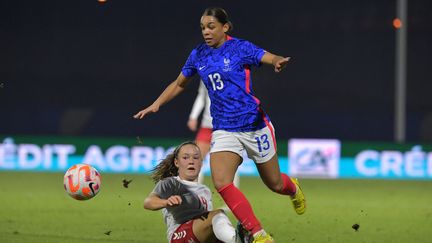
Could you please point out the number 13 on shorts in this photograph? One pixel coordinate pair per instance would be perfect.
(263, 147)
(260, 145)
(262, 142)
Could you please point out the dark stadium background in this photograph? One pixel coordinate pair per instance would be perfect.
(84, 68)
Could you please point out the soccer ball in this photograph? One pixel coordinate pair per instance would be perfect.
(82, 181)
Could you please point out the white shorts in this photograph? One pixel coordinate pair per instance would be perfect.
(260, 145)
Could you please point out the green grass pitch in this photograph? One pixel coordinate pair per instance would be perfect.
(35, 208)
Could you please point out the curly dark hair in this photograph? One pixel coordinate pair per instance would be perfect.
(166, 168)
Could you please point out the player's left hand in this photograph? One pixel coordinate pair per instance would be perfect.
(280, 64)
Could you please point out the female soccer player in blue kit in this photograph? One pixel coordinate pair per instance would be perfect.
(239, 122)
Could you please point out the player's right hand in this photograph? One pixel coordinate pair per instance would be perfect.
(151, 109)
(174, 200)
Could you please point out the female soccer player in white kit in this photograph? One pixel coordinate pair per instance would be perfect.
(186, 204)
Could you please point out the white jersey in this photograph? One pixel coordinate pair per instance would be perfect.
(202, 103)
(196, 200)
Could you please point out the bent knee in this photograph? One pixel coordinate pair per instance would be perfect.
(219, 184)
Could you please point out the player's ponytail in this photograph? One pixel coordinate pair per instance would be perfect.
(166, 168)
(221, 15)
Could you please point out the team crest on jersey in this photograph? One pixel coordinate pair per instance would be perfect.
(227, 67)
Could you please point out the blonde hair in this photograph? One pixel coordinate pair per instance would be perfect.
(166, 168)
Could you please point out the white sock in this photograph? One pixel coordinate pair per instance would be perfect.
(223, 228)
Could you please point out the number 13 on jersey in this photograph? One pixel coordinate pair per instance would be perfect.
(216, 81)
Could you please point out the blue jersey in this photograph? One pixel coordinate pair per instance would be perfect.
(225, 72)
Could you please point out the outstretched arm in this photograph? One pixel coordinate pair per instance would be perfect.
(175, 88)
(154, 202)
(278, 62)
